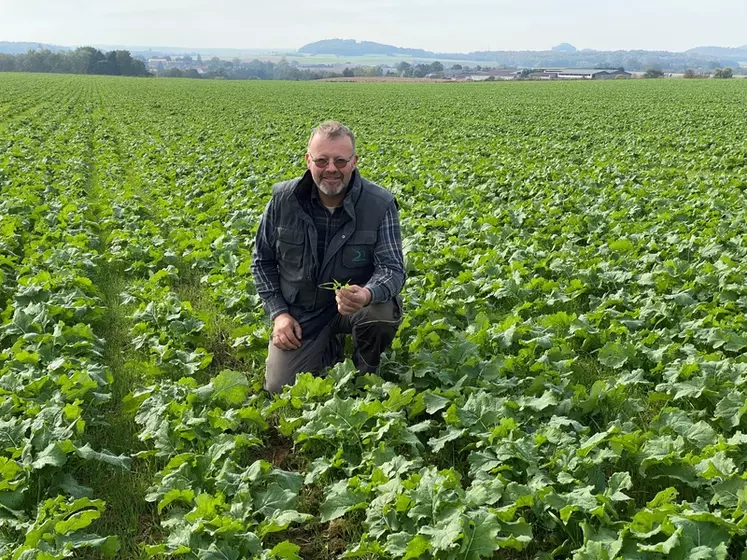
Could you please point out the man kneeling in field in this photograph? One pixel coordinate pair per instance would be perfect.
(328, 227)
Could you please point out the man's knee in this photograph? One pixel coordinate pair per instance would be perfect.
(386, 313)
(279, 371)
(273, 385)
(374, 330)
(282, 366)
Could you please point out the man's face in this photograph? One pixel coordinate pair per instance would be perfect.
(331, 179)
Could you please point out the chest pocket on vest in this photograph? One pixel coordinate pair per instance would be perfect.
(290, 246)
(358, 251)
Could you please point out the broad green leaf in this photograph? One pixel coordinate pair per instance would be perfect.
(416, 547)
(617, 483)
(273, 499)
(443, 536)
(120, 461)
(77, 521)
(479, 539)
(615, 355)
(663, 547)
(286, 551)
(339, 500)
(230, 387)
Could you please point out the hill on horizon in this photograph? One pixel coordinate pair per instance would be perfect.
(739, 53)
(20, 47)
(703, 58)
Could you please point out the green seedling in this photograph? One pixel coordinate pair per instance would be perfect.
(334, 285)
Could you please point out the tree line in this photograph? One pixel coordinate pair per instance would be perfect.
(690, 73)
(237, 69)
(83, 60)
(284, 70)
(89, 60)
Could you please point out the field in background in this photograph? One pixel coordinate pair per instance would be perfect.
(569, 381)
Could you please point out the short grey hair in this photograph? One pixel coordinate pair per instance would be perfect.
(332, 130)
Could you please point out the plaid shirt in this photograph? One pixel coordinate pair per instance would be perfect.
(389, 269)
(327, 223)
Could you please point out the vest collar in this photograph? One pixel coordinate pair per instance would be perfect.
(306, 188)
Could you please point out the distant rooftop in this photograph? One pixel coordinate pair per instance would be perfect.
(580, 70)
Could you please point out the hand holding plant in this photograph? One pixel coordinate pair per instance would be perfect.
(352, 299)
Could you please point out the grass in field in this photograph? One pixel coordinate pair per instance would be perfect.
(127, 513)
(217, 332)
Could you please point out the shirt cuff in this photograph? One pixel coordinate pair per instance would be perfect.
(378, 294)
(276, 306)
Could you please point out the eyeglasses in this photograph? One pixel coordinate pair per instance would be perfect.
(323, 162)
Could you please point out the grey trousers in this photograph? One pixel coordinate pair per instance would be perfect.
(373, 329)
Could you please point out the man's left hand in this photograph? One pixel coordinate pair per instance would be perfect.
(352, 299)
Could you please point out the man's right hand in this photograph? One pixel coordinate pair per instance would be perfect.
(286, 332)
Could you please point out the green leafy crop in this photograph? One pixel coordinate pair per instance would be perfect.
(569, 379)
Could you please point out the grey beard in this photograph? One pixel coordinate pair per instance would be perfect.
(332, 191)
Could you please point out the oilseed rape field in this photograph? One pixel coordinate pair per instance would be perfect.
(569, 380)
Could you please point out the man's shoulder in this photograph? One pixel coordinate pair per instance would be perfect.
(377, 191)
(285, 188)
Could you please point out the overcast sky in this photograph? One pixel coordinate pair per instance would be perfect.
(437, 25)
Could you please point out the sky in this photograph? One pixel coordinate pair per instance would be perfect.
(436, 25)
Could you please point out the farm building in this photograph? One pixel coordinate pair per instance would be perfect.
(480, 76)
(588, 73)
(542, 75)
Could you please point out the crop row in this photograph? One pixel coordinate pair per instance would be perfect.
(53, 379)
